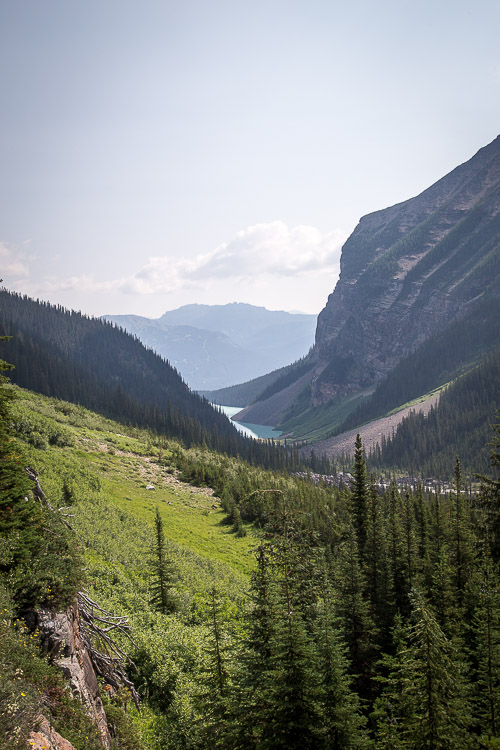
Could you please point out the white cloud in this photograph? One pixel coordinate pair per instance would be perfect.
(264, 249)
(261, 257)
(12, 264)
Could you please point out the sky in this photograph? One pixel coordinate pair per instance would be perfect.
(155, 153)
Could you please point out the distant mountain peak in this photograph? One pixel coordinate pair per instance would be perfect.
(214, 346)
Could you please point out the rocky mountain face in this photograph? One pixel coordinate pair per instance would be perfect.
(407, 272)
(61, 639)
(214, 346)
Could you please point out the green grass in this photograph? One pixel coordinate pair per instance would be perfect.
(119, 463)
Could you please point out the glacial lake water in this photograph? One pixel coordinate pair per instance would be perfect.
(252, 430)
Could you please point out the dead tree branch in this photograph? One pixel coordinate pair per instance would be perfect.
(108, 659)
(96, 623)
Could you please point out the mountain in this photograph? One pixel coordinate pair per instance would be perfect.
(215, 346)
(90, 362)
(407, 273)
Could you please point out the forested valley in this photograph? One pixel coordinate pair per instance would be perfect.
(265, 611)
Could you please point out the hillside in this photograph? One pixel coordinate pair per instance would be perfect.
(408, 273)
(215, 346)
(459, 424)
(65, 354)
(88, 361)
(262, 571)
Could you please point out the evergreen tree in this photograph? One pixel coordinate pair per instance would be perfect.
(163, 572)
(423, 704)
(359, 491)
(344, 724)
(249, 709)
(213, 697)
(462, 545)
(397, 551)
(391, 709)
(489, 499)
(439, 713)
(20, 516)
(376, 562)
(353, 610)
(486, 630)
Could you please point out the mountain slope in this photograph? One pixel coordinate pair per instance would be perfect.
(215, 346)
(88, 361)
(407, 272)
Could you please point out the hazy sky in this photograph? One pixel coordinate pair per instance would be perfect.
(158, 153)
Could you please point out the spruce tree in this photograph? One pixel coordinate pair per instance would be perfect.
(163, 572)
(344, 725)
(461, 532)
(353, 609)
(249, 707)
(214, 689)
(486, 636)
(359, 493)
(439, 714)
(291, 710)
(376, 565)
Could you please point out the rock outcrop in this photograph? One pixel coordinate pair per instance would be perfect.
(46, 738)
(60, 638)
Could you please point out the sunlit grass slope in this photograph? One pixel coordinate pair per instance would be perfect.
(99, 461)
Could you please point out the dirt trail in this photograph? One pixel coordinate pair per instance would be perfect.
(372, 432)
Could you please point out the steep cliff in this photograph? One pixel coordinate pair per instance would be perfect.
(407, 272)
(61, 638)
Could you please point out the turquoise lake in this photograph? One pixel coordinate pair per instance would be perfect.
(252, 430)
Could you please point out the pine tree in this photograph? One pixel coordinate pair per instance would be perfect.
(353, 610)
(163, 572)
(486, 630)
(344, 725)
(359, 492)
(439, 713)
(376, 565)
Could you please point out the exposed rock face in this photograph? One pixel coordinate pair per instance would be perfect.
(408, 271)
(60, 634)
(46, 738)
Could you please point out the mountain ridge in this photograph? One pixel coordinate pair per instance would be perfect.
(407, 272)
(215, 346)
